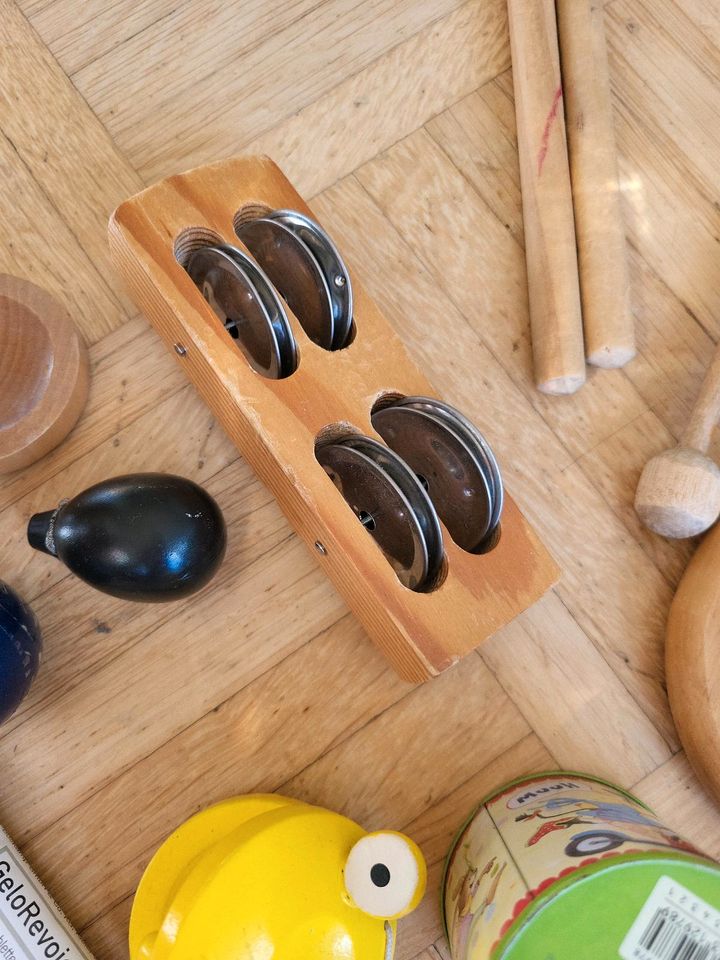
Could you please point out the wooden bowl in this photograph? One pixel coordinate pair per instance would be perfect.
(692, 664)
(44, 373)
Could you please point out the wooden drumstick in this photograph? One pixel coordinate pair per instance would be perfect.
(692, 665)
(679, 490)
(604, 282)
(555, 315)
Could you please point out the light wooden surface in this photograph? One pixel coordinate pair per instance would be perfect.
(395, 120)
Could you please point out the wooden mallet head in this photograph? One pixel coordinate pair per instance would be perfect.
(679, 490)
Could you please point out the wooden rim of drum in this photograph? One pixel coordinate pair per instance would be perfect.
(44, 373)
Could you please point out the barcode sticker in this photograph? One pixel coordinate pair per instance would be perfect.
(674, 924)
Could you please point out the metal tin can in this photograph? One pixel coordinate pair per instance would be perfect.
(564, 866)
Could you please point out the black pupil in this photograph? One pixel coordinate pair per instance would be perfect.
(380, 875)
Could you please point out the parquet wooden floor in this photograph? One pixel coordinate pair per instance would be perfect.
(395, 119)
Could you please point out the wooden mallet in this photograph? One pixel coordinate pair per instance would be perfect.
(679, 490)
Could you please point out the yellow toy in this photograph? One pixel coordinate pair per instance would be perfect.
(263, 877)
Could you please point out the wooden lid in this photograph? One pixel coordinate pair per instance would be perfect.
(44, 374)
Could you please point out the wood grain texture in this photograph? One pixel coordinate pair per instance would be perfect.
(38, 244)
(373, 109)
(608, 323)
(546, 642)
(693, 669)
(60, 141)
(673, 788)
(43, 370)
(258, 64)
(403, 134)
(110, 406)
(550, 244)
(665, 130)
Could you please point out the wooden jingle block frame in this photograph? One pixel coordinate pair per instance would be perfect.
(275, 423)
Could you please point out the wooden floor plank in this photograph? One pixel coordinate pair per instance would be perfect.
(76, 34)
(371, 110)
(670, 213)
(293, 55)
(593, 724)
(83, 630)
(61, 143)
(469, 717)
(442, 948)
(677, 798)
(437, 827)
(37, 244)
(705, 14)
(478, 134)
(670, 70)
(615, 467)
(674, 349)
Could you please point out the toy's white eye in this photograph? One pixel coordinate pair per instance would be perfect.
(385, 875)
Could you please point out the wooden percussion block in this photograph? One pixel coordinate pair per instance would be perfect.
(276, 423)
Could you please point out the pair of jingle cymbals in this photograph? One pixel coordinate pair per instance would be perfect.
(304, 264)
(294, 260)
(437, 466)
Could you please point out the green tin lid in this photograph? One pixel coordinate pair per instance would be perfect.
(642, 908)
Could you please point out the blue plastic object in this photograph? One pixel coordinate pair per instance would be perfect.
(20, 650)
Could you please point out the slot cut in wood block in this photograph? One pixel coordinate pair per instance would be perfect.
(276, 423)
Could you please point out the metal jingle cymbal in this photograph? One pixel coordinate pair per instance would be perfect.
(295, 272)
(457, 482)
(474, 438)
(274, 308)
(415, 493)
(332, 265)
(244, 300)
(390, 503)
